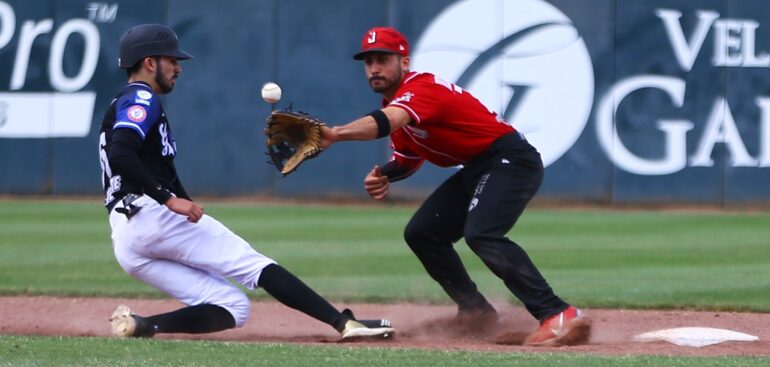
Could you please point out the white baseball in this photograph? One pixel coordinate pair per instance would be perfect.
(271, 92)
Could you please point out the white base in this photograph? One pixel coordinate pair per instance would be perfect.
(694, 336)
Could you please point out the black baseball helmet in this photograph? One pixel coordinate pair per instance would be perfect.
(149, 40)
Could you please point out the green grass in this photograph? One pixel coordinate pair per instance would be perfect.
(599, 258)
(629, 259)
(19, 351)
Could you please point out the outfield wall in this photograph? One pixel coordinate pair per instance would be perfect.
(629, 101)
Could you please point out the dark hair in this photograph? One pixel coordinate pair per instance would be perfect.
(134, 69)
(138, 66)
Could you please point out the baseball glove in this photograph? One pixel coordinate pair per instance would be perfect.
(292, 138)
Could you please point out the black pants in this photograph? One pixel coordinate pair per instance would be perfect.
(482, 202)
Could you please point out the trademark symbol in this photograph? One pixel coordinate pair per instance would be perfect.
(102, 12)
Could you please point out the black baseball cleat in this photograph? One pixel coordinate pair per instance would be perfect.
(126, 324)
(475, 320)
(376, 329)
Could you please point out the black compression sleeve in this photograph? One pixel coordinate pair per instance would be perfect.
(125, 162)
(180, 191)
(395, 172)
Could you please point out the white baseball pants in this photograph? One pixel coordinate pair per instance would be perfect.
(189, 261)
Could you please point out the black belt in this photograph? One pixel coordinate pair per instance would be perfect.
(128, 208)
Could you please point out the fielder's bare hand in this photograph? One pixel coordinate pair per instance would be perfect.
(376, 184)
(185, 207)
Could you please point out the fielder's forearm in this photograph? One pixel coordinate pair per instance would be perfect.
(365, 128)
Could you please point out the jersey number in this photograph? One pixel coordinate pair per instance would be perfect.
(453, 87)
(110, 183)
(457, 89)
(103, 160)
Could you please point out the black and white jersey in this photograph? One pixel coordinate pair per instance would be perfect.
(137, 108)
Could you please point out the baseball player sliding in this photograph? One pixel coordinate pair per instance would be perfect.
(162, 237)
(430, 119)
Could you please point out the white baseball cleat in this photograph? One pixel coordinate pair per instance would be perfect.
(355, 330)
(366, 329)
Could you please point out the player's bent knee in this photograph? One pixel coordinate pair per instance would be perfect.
(414, 235)
(476, 238)
(131, 269)
(421, 238)
(239, 307)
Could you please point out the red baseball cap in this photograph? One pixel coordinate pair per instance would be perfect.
(383, 39)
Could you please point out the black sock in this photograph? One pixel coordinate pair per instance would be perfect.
(292, 292)
(198, 319)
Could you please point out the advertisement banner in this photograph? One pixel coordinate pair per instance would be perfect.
(655, 101)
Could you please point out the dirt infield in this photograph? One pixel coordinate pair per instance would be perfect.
(418, 326)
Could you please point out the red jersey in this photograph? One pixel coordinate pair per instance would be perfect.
(449, 126)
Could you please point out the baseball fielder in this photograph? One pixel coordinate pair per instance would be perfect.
(162, 237)
(429, 119)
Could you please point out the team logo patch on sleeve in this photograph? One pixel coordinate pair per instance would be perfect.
(136, 113)
(406, 97)
(143, 94)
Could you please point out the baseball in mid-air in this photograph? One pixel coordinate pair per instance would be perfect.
(271, 92)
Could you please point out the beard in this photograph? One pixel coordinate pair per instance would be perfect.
(384, 86)
(384, 83)
(165, 85)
